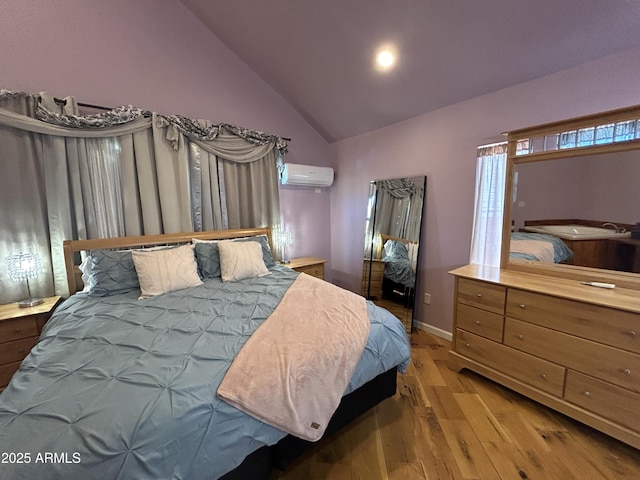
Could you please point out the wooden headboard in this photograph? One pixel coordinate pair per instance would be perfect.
(70, 247)
(383, 240)
(398, 239)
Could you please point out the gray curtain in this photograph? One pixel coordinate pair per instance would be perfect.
(124, 172)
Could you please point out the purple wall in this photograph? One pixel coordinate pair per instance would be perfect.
(442, 145)
(157, 55)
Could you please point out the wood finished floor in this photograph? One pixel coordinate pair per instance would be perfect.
(444, 425)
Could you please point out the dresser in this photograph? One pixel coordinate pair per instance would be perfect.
(19, 332)
(572, 347)
(310, 265)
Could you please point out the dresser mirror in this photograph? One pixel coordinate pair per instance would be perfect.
(392, 244)
(575, 180)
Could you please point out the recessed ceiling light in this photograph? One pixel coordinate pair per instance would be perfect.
(385, 59)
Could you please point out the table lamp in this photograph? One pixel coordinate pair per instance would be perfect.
(23, 266)
(284, 238)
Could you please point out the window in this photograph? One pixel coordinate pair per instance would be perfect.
(486, 239)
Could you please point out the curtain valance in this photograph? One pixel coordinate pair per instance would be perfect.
(233, 143)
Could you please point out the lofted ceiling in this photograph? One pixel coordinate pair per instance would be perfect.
(319, 54)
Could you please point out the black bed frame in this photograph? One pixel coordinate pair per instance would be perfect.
(258, 465)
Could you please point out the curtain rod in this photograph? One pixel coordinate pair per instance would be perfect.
(62, 101)
(89, 105)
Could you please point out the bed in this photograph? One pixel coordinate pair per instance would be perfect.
(539, 247)
(399, 277)
(123, 387)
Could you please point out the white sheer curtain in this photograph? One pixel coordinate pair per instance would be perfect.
(486, 239)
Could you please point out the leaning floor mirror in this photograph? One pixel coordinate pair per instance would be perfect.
(392, 244)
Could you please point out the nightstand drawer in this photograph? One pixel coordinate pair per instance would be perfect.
(313, 270)
(16, 351)
(18, 328)
(310, 265)
(6, 372)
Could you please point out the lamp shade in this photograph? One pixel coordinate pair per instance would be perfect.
(284, 237)
(23, 266)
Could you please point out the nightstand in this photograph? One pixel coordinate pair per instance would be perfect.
(19, 332)
(310, 265)
(372, 275)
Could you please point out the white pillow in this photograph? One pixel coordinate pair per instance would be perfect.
(240, 260)
(163, 271)
(85, 268)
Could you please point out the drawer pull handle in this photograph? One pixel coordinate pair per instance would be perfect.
(479, 295)
(631, 333)
(522, 305)
(477, 322)
(543, 376)
(18, 330)
(467, 345)
(587, 394)
(627, 371)
(520, 336)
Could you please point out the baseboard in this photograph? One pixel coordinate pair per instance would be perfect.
(438, 332)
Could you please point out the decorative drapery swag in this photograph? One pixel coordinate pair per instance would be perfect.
(126, 171)
(398, 187)
(398, 211)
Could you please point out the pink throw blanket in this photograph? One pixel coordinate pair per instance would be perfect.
(540, 249)
(294, 369)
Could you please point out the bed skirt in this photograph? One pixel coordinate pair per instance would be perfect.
(259, 464)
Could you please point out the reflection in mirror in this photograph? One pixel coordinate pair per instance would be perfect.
(578, 211)
(392, 244)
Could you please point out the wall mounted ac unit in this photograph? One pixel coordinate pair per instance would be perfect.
(294, 174)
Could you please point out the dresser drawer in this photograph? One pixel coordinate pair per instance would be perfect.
(604, 399)
(480, 322)
(486, 296)
(600, 361)
(18, 328)
(605, 325)
(6, 372)
(529, 369)
(16, 351)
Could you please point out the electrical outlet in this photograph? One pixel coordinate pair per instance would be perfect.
(427, 298)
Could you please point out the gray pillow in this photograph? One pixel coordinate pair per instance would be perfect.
(208, 259)
(112, 272)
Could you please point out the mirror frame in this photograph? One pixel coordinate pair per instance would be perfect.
(572, 272)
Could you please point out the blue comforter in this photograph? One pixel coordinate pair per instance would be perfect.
(125, 388)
